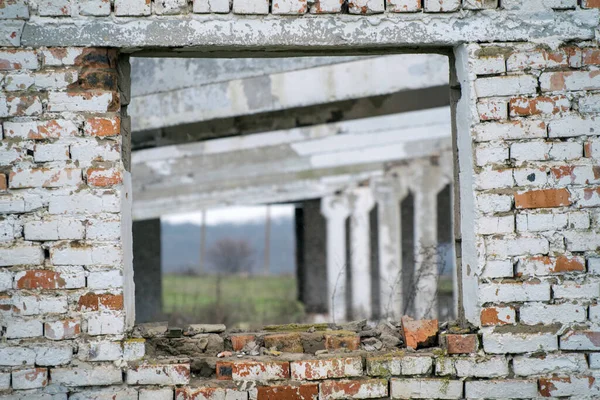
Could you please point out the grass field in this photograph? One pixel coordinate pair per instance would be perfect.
(254, 299)
(245, 301)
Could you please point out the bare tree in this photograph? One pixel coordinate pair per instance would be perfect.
(231, 256)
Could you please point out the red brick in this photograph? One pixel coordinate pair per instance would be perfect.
(545, 198)
(286, 342)
(260, 371)
(95, 302)
(462, 344)
(591, 56)
(239, 341)
(224, 370)
(567, 264)
(98, 126)
(566, 386)
(590, 3)
(40, 279)
(302, 392)
(523, 106)
(492, 316)
(3, 182)
(335, 341)
(103, 177)
(419, 333)
(355, 389)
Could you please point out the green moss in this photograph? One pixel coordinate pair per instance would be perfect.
(493, 51)
(295, 327)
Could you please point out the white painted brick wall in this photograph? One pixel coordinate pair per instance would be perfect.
(85, 375)
(21, 254)
(109, 279)
(132, 7)
(18, 329)
(85, 203)
(506, 85)
(541, 222)
(55, 229)
(441, 5)
(211, 6)
(547, 314)
(530, 177)
(86, 255)
(542, 151)
(501, 389)
(482, 368)
(416, 365)
(13, 356)
(494, 179)
(51, 152)
(512, 130)
(489, 65)
(549, 363)
(105, 323)
(54, 354)
(511, 292)
(492, 203)
(30, 378)
(504, 248)
(498, 269)
(103, 229)
(425, 388)
(574, 290)
(250, 7)
(491, 154)
(100, 350)
(573, 126)
(515, 343)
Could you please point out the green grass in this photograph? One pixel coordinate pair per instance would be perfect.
(244, 300)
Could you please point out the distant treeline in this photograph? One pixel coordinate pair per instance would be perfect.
(181, 245)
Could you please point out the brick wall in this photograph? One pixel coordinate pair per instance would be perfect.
(528, 150)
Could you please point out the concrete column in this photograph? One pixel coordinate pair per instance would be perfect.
(336, 211)
(146, 269)
(426, 255)
(390, 262)
(362, 201)
(311, 242)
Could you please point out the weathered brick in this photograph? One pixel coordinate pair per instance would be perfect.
(96, 8)
(133, 8)
(547, 314)
(543, 265)
(239, 341)
(353, 389)
(494, 179)
(76, 254)
(441, 5)
(31, 378)
(536, 59)
(18, 329)
(211, 6)
(492, 110)
(44, 177)
(260, 371)
(335, 341)
(89, 101)
(461, 344)
(580, 340)
(419, 333)
(326, 368)
(104, 177)
(100, 350)
(63, 329)
(559, 386)
(21, 254)
(514, 291)
(18, 59)
(54, 229)
(545, 198)
(99, 126)
(51, 129)
(95, 302)
(14, 356)
(170, 374)
(492, 203)
(87, 375)
(105, 323)
(492, 316)
(511, 130)
(506, 85)
(491, 154)
(569, 80)
(495, 225)
(501, 389)
(403, 5)
(286, 342)
(251, 7)
(134, 349)
(574, 290)
(209, 393)
(549, 363)
(39, 279)
(525, 106)
(301, 392)
(489, 65)
(503, 248)
(424, 388)
(515, 343)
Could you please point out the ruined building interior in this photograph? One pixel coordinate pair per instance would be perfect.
(357, 160)
(407, 135)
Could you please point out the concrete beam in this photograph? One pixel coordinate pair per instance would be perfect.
(228, 35)
(289, 165)
(338, 111)
(279, 91)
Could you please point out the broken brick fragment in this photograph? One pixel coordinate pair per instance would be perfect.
(419, 333)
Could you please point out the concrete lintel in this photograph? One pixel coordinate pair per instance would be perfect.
(333, 33)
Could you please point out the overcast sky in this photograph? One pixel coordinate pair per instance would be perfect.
(231, 214)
